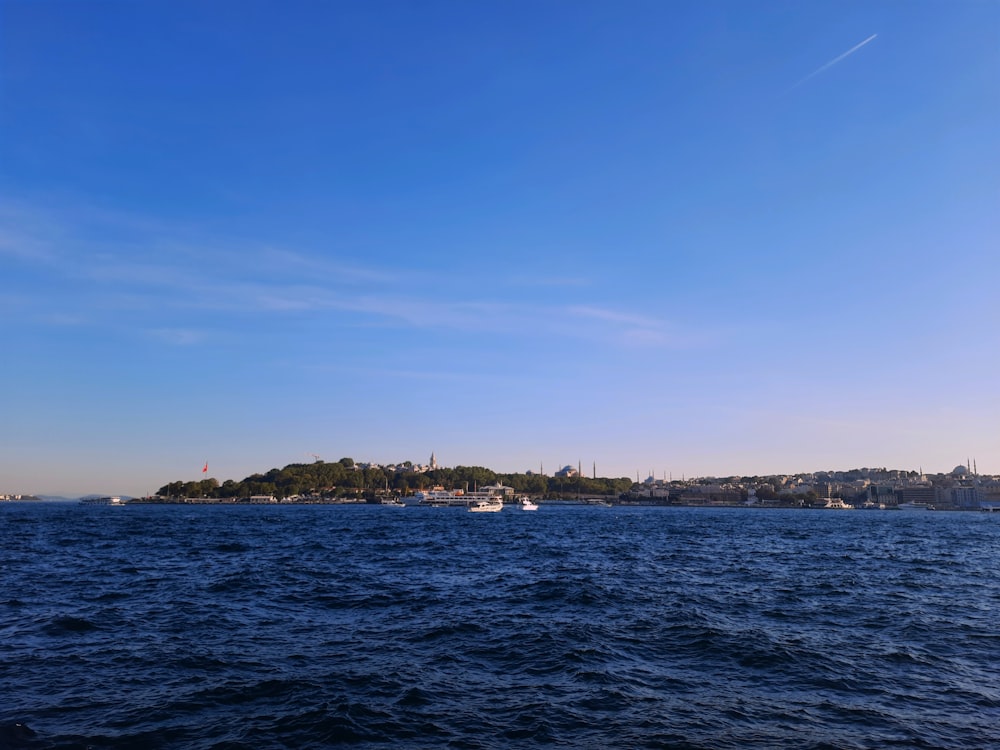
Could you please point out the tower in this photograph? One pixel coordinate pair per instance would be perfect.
(434, 462)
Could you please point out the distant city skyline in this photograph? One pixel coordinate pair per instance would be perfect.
(706, 239)
(968, 469)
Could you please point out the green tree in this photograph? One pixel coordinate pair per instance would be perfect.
(208, 488)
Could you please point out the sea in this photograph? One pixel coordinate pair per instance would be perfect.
(316, 626)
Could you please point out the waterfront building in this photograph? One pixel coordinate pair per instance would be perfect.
(918, 495)
(967, 496)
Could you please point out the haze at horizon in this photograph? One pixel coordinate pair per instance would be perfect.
(717, 239)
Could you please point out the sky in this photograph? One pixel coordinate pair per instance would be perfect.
(687, 239)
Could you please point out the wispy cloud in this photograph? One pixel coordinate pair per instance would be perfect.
(288, 261)
(63, 319)
(23, 235)
(626, 328)
(614, 316)
(161, 276)
(551, 281)
(178, 336)
(423, 374)
(834, 61)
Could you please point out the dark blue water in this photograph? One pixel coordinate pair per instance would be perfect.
(313, 626)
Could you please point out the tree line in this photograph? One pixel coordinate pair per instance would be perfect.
(344, 478)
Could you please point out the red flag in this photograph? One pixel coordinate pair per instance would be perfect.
(205, 470)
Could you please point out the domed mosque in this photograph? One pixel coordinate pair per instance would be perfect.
(961, 471)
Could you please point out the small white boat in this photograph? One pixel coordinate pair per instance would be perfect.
(526, 504)
(393, 502)
(835, 503)
(486, 506)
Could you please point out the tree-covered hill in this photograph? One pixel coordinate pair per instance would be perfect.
(344, 478)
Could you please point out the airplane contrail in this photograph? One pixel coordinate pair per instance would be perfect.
(834, 61)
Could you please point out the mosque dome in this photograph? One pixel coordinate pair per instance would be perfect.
(959, 471)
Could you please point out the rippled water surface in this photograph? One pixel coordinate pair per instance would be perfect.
(312, 626)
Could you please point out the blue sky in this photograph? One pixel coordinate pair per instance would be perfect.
(687, 238)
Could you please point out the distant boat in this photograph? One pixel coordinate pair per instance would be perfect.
(915, 506)
(439, 498)
(526, 504)
(487, 506)
(836, 503)
(103, 501)
(393, 502)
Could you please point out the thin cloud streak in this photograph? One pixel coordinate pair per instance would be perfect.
(168, 274)
(613, 316)
(114, 246)
(549, 281)
(292, 262)
(833, 62)
(179, 336)
(625, 328)
(473, 376)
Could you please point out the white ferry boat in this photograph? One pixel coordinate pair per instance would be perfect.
(441, 498)
(103, 501)
(835, 503)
